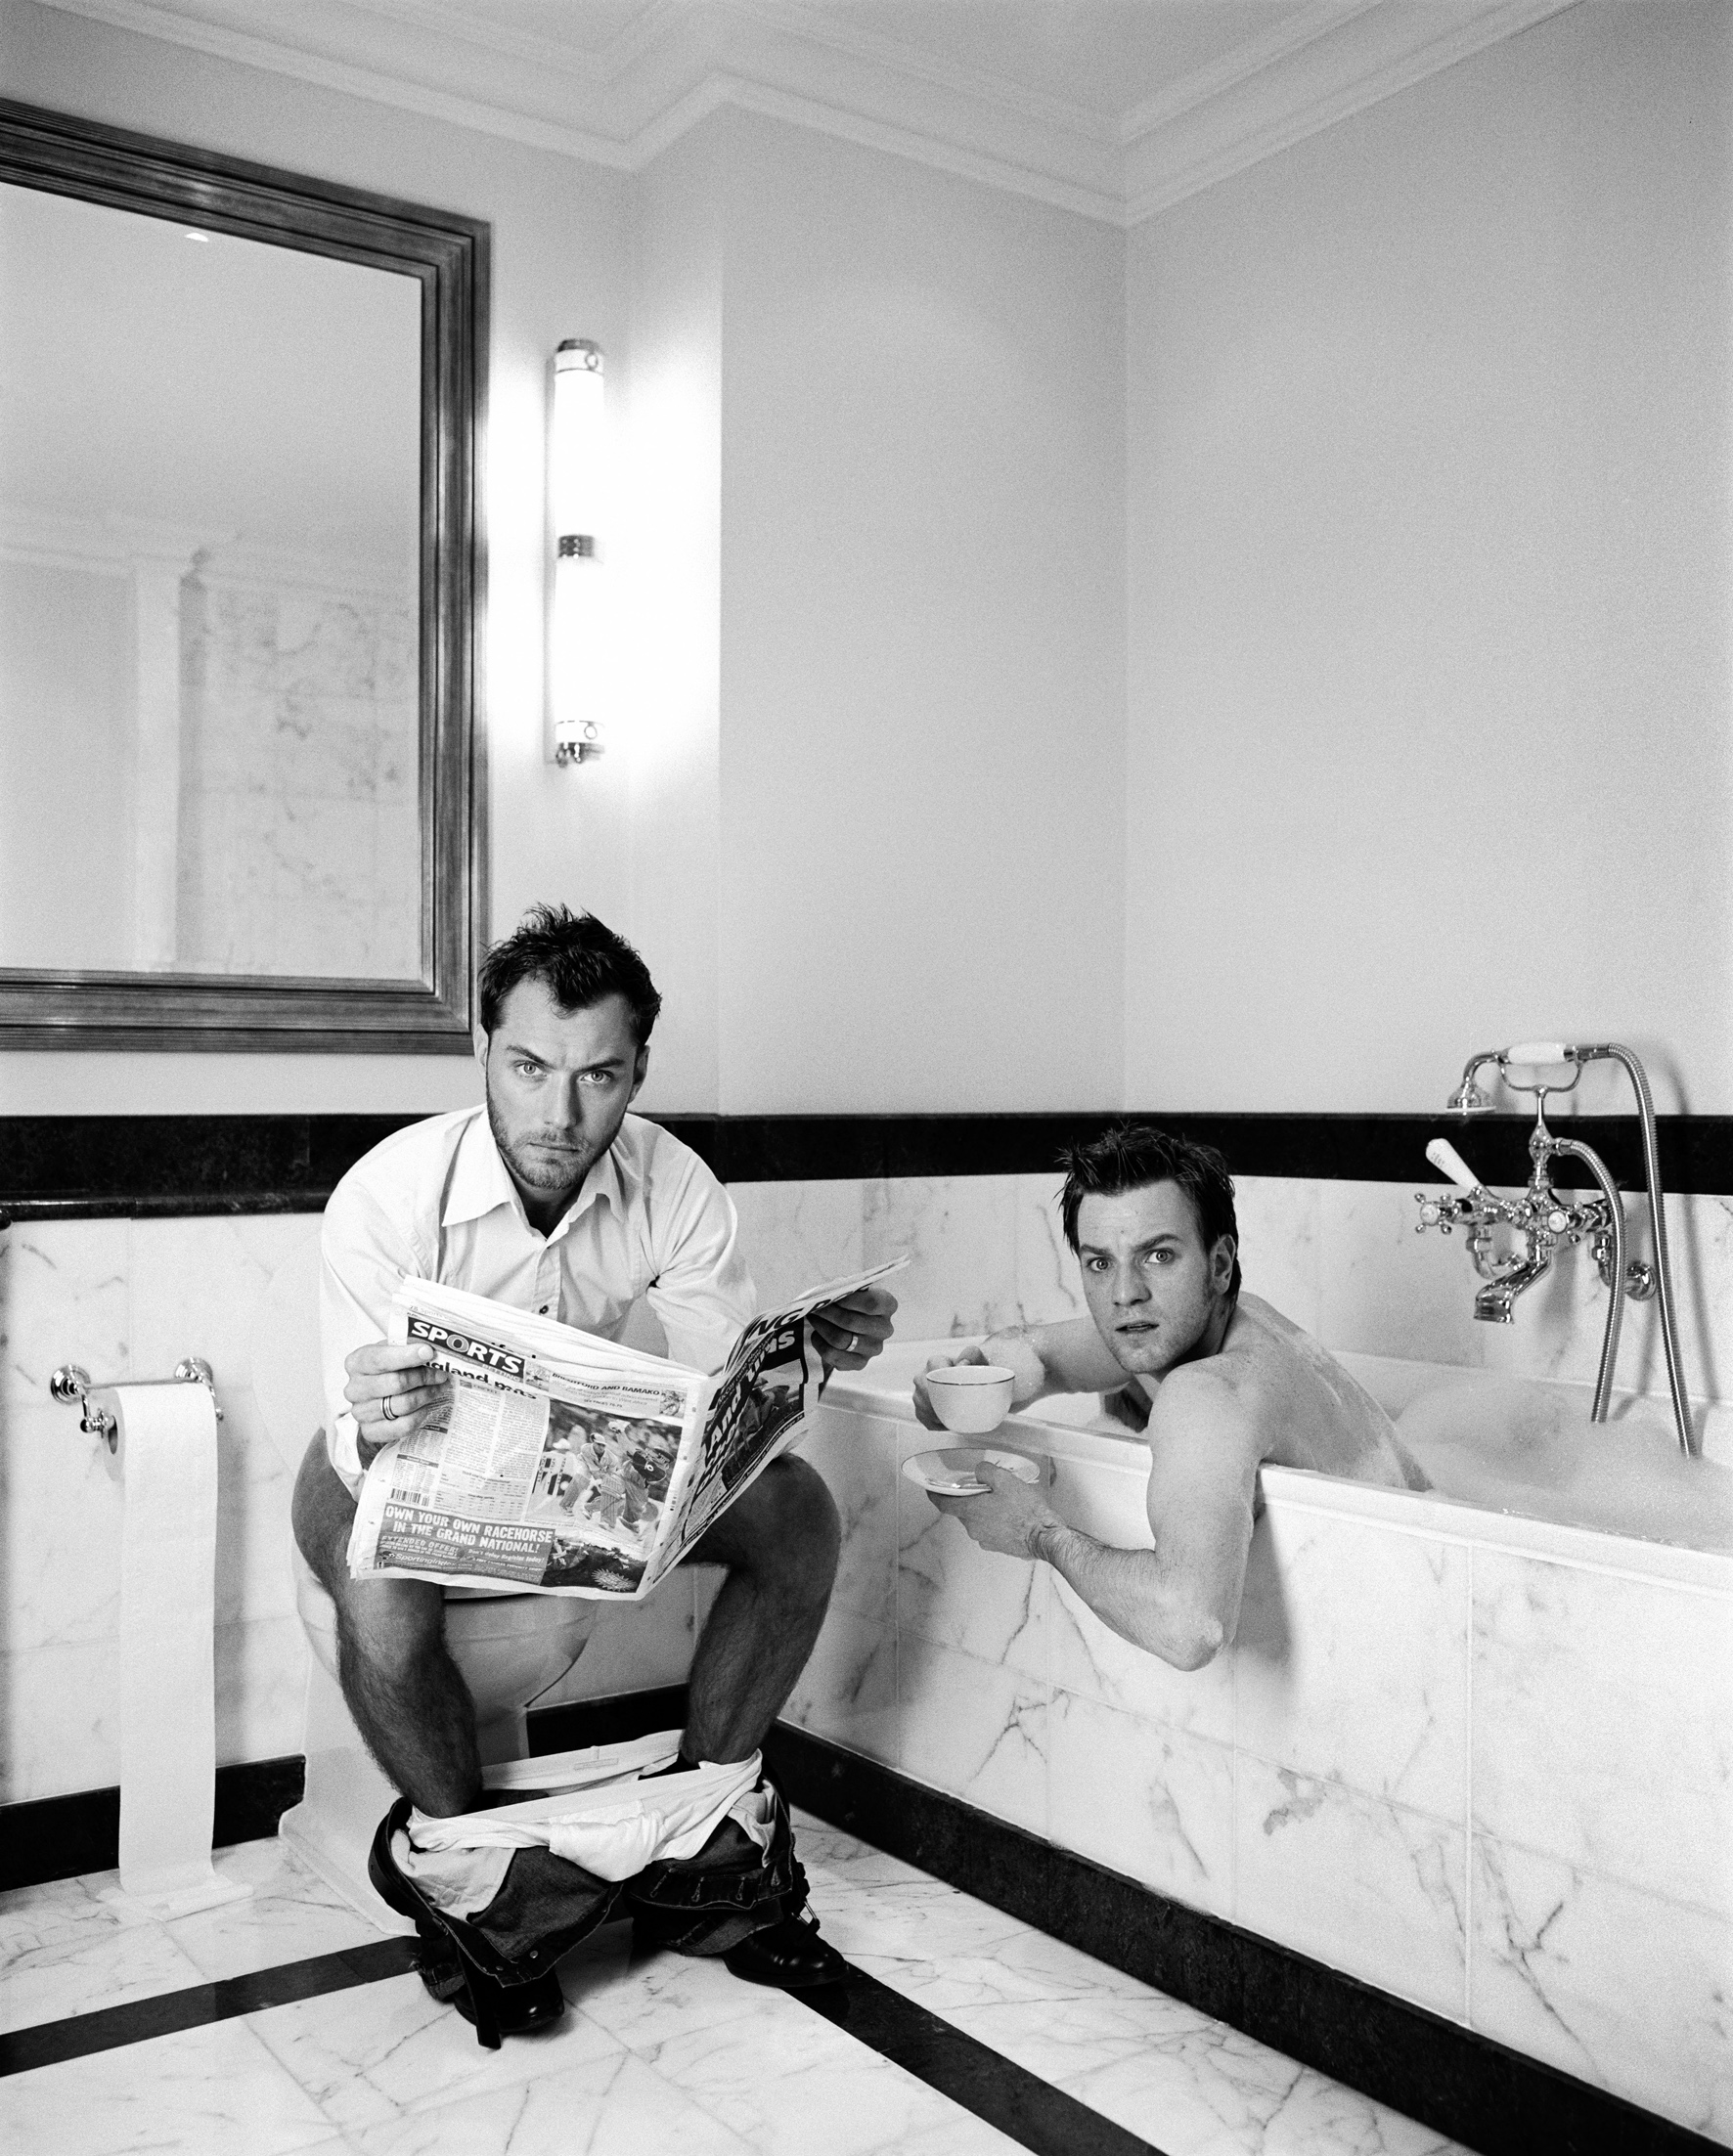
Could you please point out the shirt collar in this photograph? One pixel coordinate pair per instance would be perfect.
(480, 1181)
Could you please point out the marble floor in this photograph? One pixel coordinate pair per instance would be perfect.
(658, 2053)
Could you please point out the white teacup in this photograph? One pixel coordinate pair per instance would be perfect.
(971, 1397)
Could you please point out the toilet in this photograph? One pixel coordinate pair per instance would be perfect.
(509, 1648)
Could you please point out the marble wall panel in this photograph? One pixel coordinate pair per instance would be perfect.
(1352, 1657)
(1386, 1291)
(262, 1691)
(795, 1235)
(975, 1728)
(64, 1298)
(847, 1692)
(1603, 1723)
(1049, 1287)
(1371, 1888)
(51, 1472)
(961, 1235)
(1280, 1243)
(60, 1720)
(1622, 1988)
(1151, 1802)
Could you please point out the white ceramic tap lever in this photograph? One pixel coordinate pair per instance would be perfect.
(1538, 1051)
(1445, 1157)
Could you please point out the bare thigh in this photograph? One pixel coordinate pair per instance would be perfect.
(784, 1528)
(383, 1617)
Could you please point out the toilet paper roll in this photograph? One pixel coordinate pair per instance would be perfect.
(168, 1461)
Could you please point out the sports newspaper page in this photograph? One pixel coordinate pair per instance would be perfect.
(567, 1464)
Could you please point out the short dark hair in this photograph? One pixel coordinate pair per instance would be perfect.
(577, 958)
(1133, 1155)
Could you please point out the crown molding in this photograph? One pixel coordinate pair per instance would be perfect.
(624, 104)
(1369, 52)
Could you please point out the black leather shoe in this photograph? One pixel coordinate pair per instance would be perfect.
(789, 1954)
(460, 1965)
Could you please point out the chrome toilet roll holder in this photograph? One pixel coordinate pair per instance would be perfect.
(70, 1386)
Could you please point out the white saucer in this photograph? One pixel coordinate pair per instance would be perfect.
(948, 1473)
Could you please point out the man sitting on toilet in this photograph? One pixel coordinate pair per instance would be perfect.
(555, 1200)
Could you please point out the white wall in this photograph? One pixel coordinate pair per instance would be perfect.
(1429, 570)
(923, 625)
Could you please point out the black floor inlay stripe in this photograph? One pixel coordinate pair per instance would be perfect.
(199, 2005)
(996, 2088)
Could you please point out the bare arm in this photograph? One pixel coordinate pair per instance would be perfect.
(1070, 1356)
(1181, 1600)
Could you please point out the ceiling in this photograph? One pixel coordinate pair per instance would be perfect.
(1116, 108)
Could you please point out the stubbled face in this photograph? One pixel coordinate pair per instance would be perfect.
(1151, 1285)
(559, 1085)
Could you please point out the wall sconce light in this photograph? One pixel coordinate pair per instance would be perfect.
(574, 478)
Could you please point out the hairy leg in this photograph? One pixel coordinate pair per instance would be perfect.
(780, 1543)
(408, 1697)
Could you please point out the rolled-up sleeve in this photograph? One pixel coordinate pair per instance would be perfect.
(702, 1291)
(363, 1257)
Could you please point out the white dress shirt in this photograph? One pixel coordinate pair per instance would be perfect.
(435, 1200)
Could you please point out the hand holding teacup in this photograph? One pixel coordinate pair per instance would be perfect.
(968, 1394)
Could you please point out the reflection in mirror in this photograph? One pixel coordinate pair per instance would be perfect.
(209, 571)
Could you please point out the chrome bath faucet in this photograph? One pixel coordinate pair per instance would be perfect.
(1544, 1219)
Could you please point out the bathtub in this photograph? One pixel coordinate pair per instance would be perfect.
(1479, 1758)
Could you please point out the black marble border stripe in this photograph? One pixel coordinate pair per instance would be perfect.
(197, 2005)
(144, 1167)
(63, 1837)
(971, 2074)
(1479, 2092)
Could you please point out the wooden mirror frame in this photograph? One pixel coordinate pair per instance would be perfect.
(449, 255)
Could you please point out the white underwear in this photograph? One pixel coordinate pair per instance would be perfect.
(600, 1813)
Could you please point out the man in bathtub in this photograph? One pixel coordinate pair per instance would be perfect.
(551, 1198)
(1217, 1382)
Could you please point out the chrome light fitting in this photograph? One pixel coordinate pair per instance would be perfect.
(574, 473)
(1544, 1219)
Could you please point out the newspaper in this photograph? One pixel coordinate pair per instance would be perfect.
(567, 1464)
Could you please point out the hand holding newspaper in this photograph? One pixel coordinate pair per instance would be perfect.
(567, 1464)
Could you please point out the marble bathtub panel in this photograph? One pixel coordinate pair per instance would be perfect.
(1049, 1287)
(957, 1595)
(961, 1235)
(1280, 1243)
(1603, 1723)
(1386, 1291)
(857, 1456)
(60, 1492)
(976, 1728)
(795, 1235)
(64, 1298)
(848, 1690)
(1371, 1888)
(636, 1646)
(1352, 1658)
(59, 1721)
(1144, 1800)
(1622, 1989)
(1087, 1659)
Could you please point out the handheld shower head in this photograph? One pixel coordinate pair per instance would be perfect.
(1468, 1099)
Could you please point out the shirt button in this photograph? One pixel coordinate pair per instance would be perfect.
(546, 1308)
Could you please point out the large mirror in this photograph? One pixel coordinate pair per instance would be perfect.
(238, 543)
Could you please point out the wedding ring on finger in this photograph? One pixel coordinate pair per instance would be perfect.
(387, 1409)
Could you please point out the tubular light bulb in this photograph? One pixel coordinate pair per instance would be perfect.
(574, 478)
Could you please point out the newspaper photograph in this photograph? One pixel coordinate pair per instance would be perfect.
(565, 1464)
